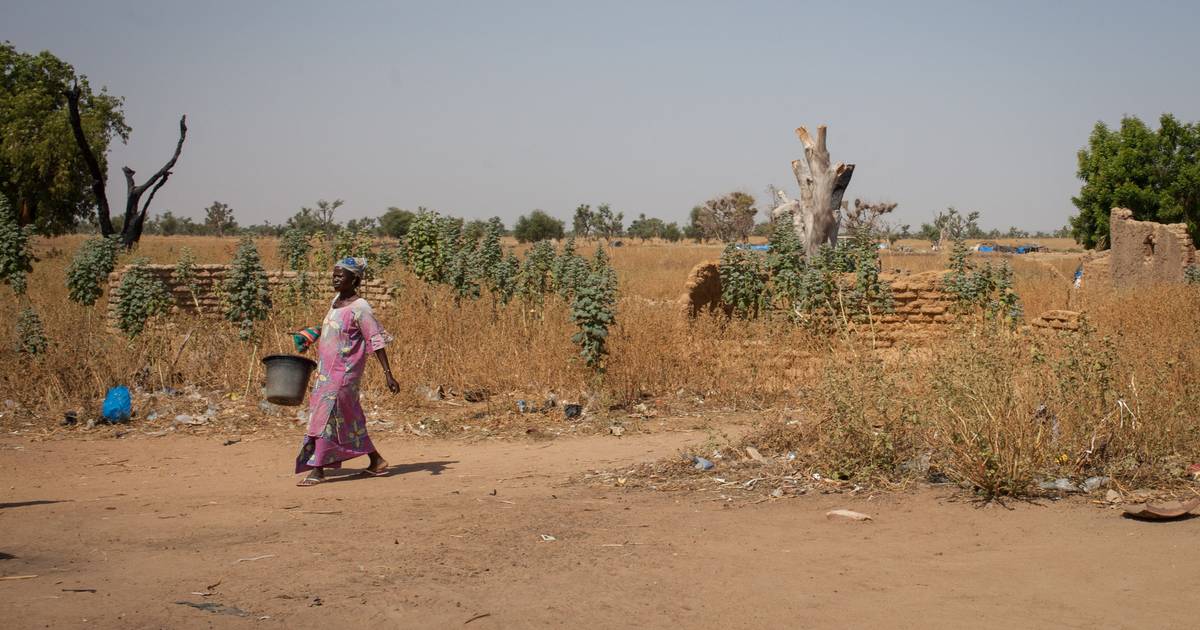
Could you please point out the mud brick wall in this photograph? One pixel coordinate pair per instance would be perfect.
(210, 281)
(1057, 320)
(921, 308)
(1142, 253)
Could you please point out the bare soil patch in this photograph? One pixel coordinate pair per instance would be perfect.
(494, 534)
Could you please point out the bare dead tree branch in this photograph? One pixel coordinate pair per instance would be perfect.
(93, 165)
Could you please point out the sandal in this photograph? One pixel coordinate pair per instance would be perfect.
(367, 472)
(310, 481)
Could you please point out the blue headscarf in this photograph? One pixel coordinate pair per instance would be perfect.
(356, 266)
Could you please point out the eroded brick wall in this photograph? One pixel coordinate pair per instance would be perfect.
(210, 280)
(1141, 253)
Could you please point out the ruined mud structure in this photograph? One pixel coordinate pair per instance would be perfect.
(207, 300)
(921, 306)
(1141, 253)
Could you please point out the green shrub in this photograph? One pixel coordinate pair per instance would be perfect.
(31, 336)
(185, 275)
(593, 311)
(247, 294)
(90, 267)
(142, 296)
(743, 281)
(16, 257)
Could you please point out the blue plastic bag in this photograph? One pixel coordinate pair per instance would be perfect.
(117, 405)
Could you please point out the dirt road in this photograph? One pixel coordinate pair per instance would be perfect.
(149, 523)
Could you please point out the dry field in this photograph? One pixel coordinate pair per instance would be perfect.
(502, 520)
(967, 400)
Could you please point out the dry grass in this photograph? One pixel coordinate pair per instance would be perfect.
(965, 404)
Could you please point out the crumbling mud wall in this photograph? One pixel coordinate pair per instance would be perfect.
(702, 291)
(208, 299)
(1141, 253)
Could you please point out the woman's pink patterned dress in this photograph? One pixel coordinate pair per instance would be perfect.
(337, 427)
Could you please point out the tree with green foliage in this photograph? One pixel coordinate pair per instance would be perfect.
(16, 256)
(538, 226)
(219, 219)
(1154, 173)
(247, 293)
(89, 269)
(43, 176)
(395, 222)
(607, 224)
(727, 218)
(743, 281)
(694, 230)
(581, 225)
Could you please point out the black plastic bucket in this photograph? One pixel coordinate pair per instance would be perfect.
(287, 378)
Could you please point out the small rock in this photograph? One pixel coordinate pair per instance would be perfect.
(755, 455)
(1112, 496)
(847, 514)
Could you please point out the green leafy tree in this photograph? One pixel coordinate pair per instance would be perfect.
(538, 226)
(536, 276)
(581, 225)
(491, 253)
(672, 233)
(1155, 174)
(421, 246)
(219, 219)
(89, 269)
(694, 230)
(247, 293)
(647, 228)
(395, 222)
(142, 296)
(16, 256)
(42, 173)
(167, 224)
(727, 218)
(606, 224)
(569, 270)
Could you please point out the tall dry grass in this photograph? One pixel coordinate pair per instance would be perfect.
(967, 403)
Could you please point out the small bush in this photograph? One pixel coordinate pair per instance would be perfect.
(142, 297)
(16, 257)
(185, 275)
(90, 267)
(248, 296)
(31, 336)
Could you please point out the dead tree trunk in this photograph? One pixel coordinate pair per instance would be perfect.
(821, 189)
(135, 218)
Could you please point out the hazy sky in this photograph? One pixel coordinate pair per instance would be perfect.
(496, 108)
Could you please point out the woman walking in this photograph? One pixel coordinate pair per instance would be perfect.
(337, 428)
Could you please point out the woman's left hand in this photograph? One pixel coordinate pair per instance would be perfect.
(393, 386)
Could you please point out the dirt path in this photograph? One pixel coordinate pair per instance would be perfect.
(149, 523)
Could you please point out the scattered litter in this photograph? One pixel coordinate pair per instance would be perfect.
(431, 393)
(791, 456)
(1161, 511)
(255, 558)
(1094, 483)
(232, 442)
(479, 616)
(848, 514)
(701, 463)
(1112, 496)
(522, 406)
(70, 419)
(117, 405)
(777, 493)
(548, 538)
(1061, 484)
(213, 607)
(755, 455)
(616, 430)
(184, 418)
(1193, 471)
(316, 602)
(152, 416)
(572, 411)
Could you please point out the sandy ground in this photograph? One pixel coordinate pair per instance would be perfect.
(151, 523)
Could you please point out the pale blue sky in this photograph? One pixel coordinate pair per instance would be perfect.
(496, 108)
